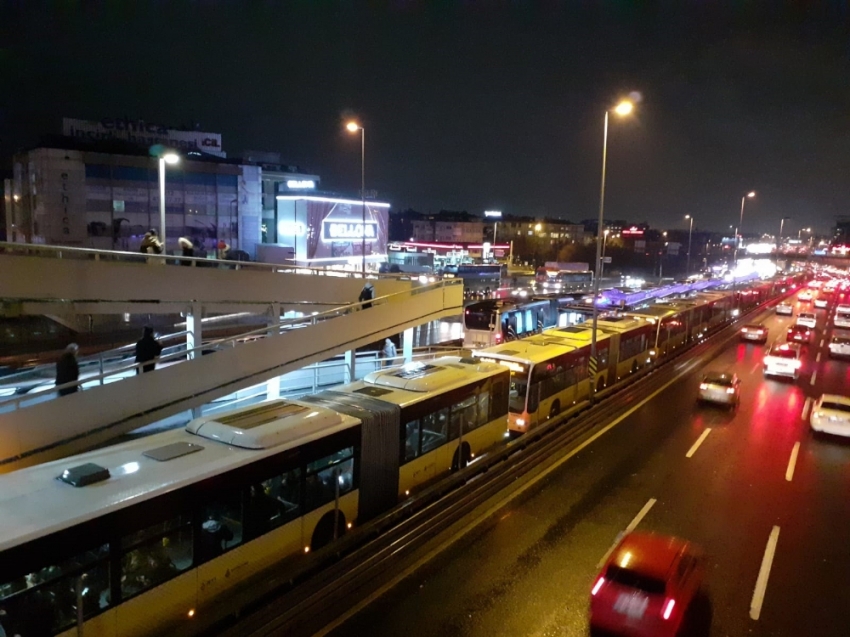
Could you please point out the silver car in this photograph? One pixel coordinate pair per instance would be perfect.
(839, 347)
(785, 309)
(722, 388)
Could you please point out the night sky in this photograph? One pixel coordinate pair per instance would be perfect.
(472, 105)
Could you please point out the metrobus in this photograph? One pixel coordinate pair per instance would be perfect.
(146, 536)
(496, 321)
(563, 280)
(479, 279)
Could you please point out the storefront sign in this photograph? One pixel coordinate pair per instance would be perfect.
(300, 184)
(347, 230)
(143, 133)
(291, 229)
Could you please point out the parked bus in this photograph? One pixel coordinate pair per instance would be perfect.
(480, 280)
(550, 280)
(149, 534)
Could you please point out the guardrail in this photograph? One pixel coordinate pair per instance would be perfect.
(14, 403)
(123, 256)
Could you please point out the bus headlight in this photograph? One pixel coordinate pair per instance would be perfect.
(520, 422)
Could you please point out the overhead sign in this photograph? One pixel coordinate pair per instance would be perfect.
(493, 213)
(301, 184)
(142, 133)
(347, 230)
(633, 231)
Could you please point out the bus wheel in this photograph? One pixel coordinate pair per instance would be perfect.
(555, 409)
(462, 457)
(323, 534)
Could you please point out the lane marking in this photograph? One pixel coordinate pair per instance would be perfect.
(631, 527)
(764, 573)
(817, 358)
(792, 462)
(757, 365)
(686, 368)
(821, 342)
(806, 407)
(814, 377)
(699, 441)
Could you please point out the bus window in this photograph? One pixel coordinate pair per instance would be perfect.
(411, 441)
(44, 602)
(329, 476)
(272, 503)
(221, 524)
(483, 408)
(498, 405)
(155, 554)
(463, 415)
(435, 430)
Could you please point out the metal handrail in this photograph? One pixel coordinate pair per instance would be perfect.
(52, 251)
(233, 341)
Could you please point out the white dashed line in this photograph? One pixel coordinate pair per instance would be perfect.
(806, 407)
(814, 377)
(764, 573)
(631, 527)
(699, 441)
(792, 462)
(817, 358)
(821, 342)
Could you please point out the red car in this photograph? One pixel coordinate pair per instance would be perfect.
(798, 334)
(646, 587)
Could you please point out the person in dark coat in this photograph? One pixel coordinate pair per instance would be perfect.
(366, 294)
(67, 370)
(147, 349)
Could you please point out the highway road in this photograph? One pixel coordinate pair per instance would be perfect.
(735, 482)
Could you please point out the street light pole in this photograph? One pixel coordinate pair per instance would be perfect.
(740, 228)
(623, 108)
(353, 127)
(690, 233)
(604, 244)
(164, 158)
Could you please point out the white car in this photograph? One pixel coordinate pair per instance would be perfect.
(785, 309)
(808, 319)
(842, 319)
(821, 302)
(783, 360)
(840, 346)
(831, 415)
(842, 308)
(721, 388)
(805, 295)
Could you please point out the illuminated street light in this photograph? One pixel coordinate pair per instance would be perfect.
(740, 229)
(625, 107)
(353, 127)
(690, 233)
(538, 227)
(165, 157)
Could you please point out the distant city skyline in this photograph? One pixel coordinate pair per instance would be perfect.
(473, 108)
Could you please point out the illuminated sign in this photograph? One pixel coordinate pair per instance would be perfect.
(511, 365)
(346, 230)
(291, 228)
(493, 213)
(301, 184)
(633, 231)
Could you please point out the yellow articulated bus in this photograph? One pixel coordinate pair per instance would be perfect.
(452, 410)
(146, 536)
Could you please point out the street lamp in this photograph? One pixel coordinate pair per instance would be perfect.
(781, 226)
(625, 107)
(740, 229)
(690, 233)
(353, 127)
(166, 157)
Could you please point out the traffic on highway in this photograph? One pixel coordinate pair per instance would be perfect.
(711, 517)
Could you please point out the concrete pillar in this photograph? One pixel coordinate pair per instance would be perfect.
(194, 335)
(350, 366)
(273, 385)
(407, 345)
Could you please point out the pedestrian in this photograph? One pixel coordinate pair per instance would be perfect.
(223, 249)
(147, 349)
(67, 370)
(366, 294)
(389, 352)
(188, 249)
(151, 245)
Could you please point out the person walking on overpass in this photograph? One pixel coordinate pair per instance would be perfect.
(366, 294)
(67, 370)
(389, 352)
(147, 349)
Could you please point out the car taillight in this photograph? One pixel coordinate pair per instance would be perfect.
(669, 605)
(744, 330)
(498, 338)
(761, 331)
(730, 390)
(598, 585)
(798, 363)
(703, 385)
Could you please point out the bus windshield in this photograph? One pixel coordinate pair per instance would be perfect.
(478, 316)
(519, 388)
